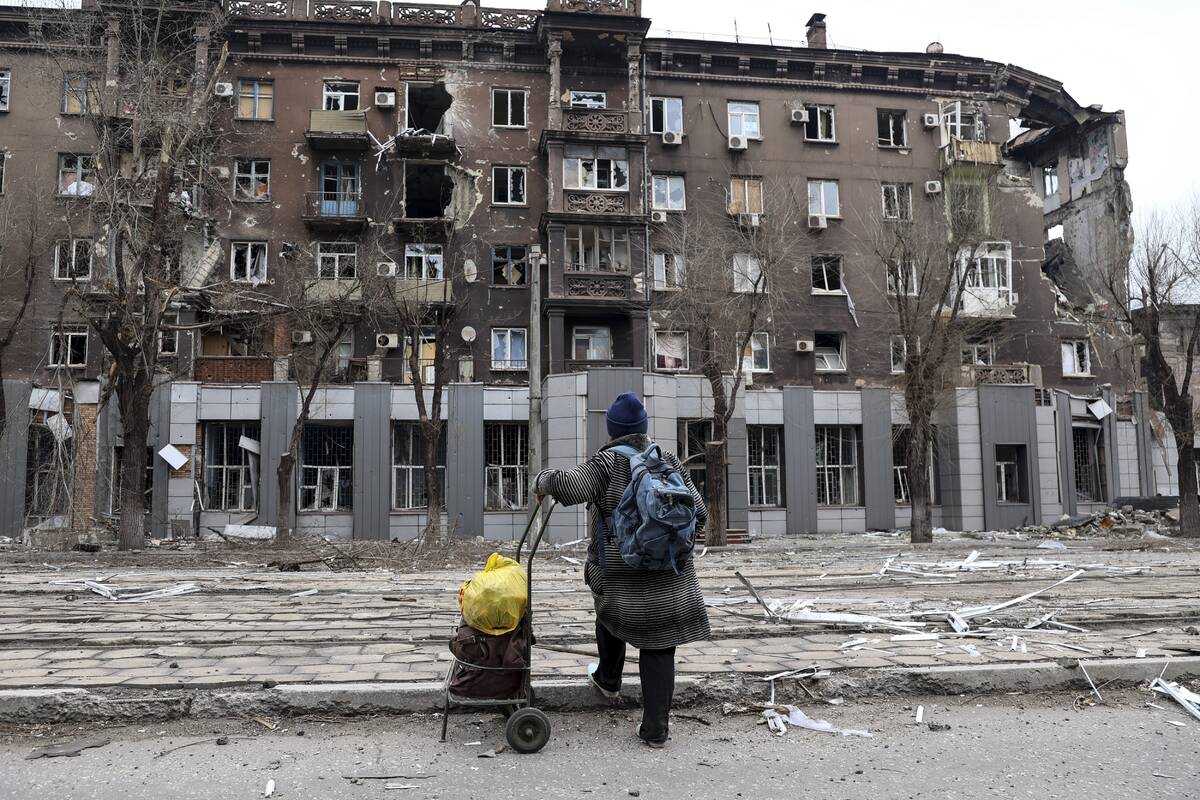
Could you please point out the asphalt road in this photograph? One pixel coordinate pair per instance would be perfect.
(1013, 747)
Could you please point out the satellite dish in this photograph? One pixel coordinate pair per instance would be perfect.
(468, 334)
(469, 271)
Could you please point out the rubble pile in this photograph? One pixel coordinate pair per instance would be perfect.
(1126, 522)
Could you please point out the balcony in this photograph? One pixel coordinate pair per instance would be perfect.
(334, 211)
(596, 285)
(968, 157)
(415, 290)
(992, 374)
(330, 291)
(594, 120)
(624, 8)
(582, 365)
(337, 130)
(582, 202)
(233, 369)
(395, 13)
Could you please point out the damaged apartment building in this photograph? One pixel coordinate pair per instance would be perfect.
(515, 169)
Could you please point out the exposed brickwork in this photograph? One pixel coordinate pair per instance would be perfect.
(186, 470)
(234, 369)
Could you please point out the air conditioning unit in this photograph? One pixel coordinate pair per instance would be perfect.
(737, 143)
(385, 99)
(818, 222)
(799, 116)
(387, 341)
(930, 121)
(223, 89)
(672, 138)
(933, 187)
(804, 345)
(658, 216)
(750, 220)
(386, 269)
(302, 337)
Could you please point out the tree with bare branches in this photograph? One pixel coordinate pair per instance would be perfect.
(19, 271)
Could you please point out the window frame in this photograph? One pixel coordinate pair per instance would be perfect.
(818, 356)
(664, 101)
(902, 199)
(247, 471)
(335, 96)
(496, 91)
(903, 352)
(85, 168)
(832, 478)
(510, 364)
(742, 115)
(252, 175)
(763, 338)
(664, 272)
(1020, 465)
(998, 258)
(432, 262)
(592, 334)
(61, 340)
(817, 112)
(514, 466)
(686, 354)
(257, 99)
(74, 245)
(509, 171)
(509, 263)
(891, 114)
(1077, 347)
(1050, 180)
(764, 469)
(87, 97)
(821, 184)
(582, 102)
(618, 240)
(5, 89)
(975, 346)
(670, 178)
(824, 259)
(340, 504)
(337, 258)
(249, 245)
(894, 270)
(741, 199)
(749, 280)
(578, 177)
(414, 472)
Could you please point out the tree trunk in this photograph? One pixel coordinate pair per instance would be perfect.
(3, 400)
(714, 490)
(1189, 508)
(133, 394)
(283, 505)
(431, 432)
(917, 461)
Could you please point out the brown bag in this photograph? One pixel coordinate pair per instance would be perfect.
(503, 655)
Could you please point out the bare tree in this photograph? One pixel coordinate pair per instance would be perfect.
(1154, 291)
(19, 272)
(731, 260)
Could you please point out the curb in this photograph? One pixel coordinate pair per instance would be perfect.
(25, 706)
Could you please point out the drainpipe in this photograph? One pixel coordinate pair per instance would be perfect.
(648, 265)
(533, 355)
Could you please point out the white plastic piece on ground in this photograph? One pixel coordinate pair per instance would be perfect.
(269, 789)
(172, 456)
(1185, 697)
(255, 532)
(305, 593)
(1051, 544)
(778, 722)
(1141, 652)
(920, 714)
(968, 613)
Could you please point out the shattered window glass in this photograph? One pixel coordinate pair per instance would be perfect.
(76, 175)
(508, 108)
(666, 115)
(509, 349)
(337, 260)
(671, 350)
(826, 273)
(73, 259)
(829, 351)
(230, 468)
(326, 477)
(893, 131)
(340, 95)
(408, 471)
(897, 202)
(248, 262)
(5, 88)
(69, 346)
(506, 446)
(757, 355)
(510, 265)
(821, 125)
(669, 193)
(596, 168)
(508, 186)
(252, 180)
(585, 99)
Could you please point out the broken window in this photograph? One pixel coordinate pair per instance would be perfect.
(837, 450)
(252, 179)
(592, 344)
(49, 464)
(756, 357)
(231, 466)
(168, 337)
(1050, 180)
(508, 186)
(1011, 478)
(73, 259)
(408, 467)
(748, 274)
(893, 128)
(427, 191)
(337, 260)
(341, 194)
(326, 473)
(248, 262)
(339, 95)
(508, 108)
(829, 351)
(1076, 357)
(823, 198)
(671, 350)
(69, 346)
(899, 354)
(666, 115)
(765, 465)
(897, 202)
(744, 120)
(977, 352)
(117, 481)
(232, 340)
(256, 99)
(669, 193)
(988, 277)
(507, 465)
(597, 248)
(745, 196)
(901, 486)
(510, 265)
(426, 339)
(821, 125)
(76, 175)
(959, 123)
(670, 272)
(427, 107)
(902, 278)
(596, 168)
(81, 95)
(509, 349)
(585, 99)
(1087, 449)
(693, 435)
(5, 88)
(423, 262)
(827, 274)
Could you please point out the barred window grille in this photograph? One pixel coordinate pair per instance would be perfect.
(1088, 452)
(837, 465)
(765, 468)
(408, 469)
(326, 473)
(507, 457)
(230, 470)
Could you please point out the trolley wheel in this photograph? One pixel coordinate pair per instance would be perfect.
(527, 730)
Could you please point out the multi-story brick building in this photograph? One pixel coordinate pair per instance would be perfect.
(544, 151)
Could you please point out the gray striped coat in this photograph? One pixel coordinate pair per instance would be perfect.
(649, 609)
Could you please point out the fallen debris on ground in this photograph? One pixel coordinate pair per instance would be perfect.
(69, 749)
(793, 716)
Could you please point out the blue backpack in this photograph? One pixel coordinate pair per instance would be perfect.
(654, 524)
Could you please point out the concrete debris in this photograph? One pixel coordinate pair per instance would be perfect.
(793, 716)
(1185, 697)
(73, 748)
(124, 595)
(1125, 521)
(305, 593)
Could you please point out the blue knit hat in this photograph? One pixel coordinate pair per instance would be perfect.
(626, 415)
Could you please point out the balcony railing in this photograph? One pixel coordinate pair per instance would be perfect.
(386, 13)
(604, 285)
(597, 202)
(333, 209)
(583, 365)
(978, 375)
(417, 290)
(971, 155)
(337, 129)
(594, 120)
(626, 8)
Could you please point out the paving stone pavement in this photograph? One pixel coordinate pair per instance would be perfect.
(245, 628)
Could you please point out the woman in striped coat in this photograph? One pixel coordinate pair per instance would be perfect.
(653, 610)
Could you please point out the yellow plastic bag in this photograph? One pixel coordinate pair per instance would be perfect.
(495, 598)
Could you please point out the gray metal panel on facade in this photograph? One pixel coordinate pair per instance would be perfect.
(1008, 415)
(799, 470)
(949, 475)
(465, 459)
(737, 490)
(159, 437)
(603, 386)
(877, 459)
(278, 411)
(108, 436)
(1112, 461)
(372, 460)
(13, 450)
(1141, 415)
(1066, 464)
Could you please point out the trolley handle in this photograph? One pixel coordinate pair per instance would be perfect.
(537, 540)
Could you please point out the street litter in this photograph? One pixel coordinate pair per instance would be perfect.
(574, 561)
(1176, 723)
(778, 722)
(1051, 544)
(920, 714)
(73, 748)
(269, 789)
(127, 595)
(400, 786)
(1185, 697)
(305, 593)
(1141, 652)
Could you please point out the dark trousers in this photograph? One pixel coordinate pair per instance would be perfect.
(657, 670)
